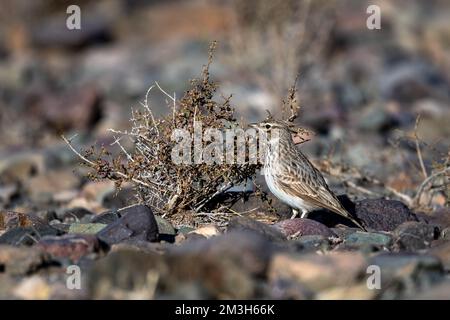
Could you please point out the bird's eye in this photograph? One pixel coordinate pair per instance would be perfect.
(267, 126)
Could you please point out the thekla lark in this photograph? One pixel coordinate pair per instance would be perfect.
(291, 177)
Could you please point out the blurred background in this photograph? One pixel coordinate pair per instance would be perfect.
(360, 90)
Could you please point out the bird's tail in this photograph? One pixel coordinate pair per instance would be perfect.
(347, 215)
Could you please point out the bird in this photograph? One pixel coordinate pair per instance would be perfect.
(291, 177)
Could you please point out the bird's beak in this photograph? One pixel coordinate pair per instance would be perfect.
(253, 125)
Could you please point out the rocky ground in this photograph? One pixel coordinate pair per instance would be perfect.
(361, 96)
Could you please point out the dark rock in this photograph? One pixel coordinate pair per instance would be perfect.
(70, 246)
(303, 227)
(21, 261)
(27, 236)
(413, 236)
(383, 215)
(247, 224)
(368, 239)
(136, 222)
(106, 217)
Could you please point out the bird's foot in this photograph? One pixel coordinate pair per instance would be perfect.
(294, 213)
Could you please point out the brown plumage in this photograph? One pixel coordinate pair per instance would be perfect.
(292, 177)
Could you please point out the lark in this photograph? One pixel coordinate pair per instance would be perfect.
(291, 177)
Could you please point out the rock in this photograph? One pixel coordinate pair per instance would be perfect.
(166, 230)
(442, 251)
(119, 199)
(226, 265)
(249, 250)
(383, 215)
(439, 217)
(311, 243)
(7, 192)
(86, 228)
(282, 289)
(368, 239)
(33, 288)
(136, 222)
(80, 202)
(69, 215)
(21, 261)
(353, 292)
(106, 217)
(19, 167)
(318, 272)
(303, 227)
(185, 229)
(11, 219)
(126, 274)
(440, 291)
(97, 190)
(445, 234)
(70, 246)
(61, 227)
(79, 108)
(405, 274)
(8, 284)
(246, 224)
(412, 236)
(96, 29)
(27, 236)
(206, 231)
(376, 119)
(42, 187)
(410, 81)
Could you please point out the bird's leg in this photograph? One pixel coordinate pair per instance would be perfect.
(294, 213)
(304, 214)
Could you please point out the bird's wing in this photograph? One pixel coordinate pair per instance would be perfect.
(309, 185)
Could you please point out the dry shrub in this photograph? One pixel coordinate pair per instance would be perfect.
(166, 186)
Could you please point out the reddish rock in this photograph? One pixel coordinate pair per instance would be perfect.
(303, 227)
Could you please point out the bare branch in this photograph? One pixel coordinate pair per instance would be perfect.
(428, 180)
(419, 152)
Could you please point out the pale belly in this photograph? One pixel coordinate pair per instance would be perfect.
(294, 202)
